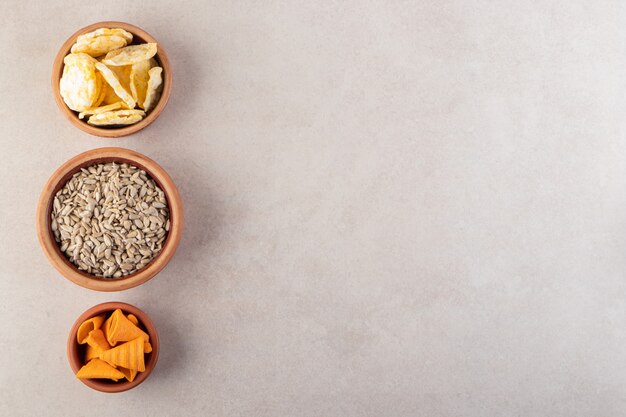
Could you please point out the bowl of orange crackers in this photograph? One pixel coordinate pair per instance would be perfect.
(113, 347)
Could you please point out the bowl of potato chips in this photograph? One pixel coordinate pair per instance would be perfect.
(113, 347)
(111, 79)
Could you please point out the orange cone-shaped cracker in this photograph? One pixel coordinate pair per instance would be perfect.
(99, 369)
(97, 340)
(106, 326)
(119, 329)
(128, 355)
(91, 353)
(87, 326)
(130, 374)
(147, 347)
(133, 319)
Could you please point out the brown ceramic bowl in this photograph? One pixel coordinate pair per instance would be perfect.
(139, 36)
(76, 352)
(58, 180)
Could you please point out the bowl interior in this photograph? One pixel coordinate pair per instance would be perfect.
(95, 161)
(139, 36)
(76, 352)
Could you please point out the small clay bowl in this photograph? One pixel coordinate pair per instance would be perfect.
(84, 160)
(139, 36)
(76, 352)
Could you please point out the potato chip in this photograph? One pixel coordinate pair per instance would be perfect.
(154, 88)
(79, 84)
(101, 89)
(109, 95)
(99, 45)
(123, 75)
(116, 117)
(114, 82)
(97, 110)
(85, 60)
(78, 58)
(105, 32)
(139, 79)
(131, 54)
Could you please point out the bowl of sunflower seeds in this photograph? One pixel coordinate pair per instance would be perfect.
(110, 219)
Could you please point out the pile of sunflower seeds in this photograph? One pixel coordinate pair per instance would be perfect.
(110, 220)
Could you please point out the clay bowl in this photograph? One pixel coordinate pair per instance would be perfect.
(76, 352)
(139, 36)
(58, 180)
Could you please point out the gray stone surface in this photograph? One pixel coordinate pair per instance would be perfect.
(394, 209)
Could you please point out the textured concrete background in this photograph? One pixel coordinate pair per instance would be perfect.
(394, 209)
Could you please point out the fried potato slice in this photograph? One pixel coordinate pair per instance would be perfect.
(131, 54)
(123, 75)
(139, 79)
(79, 84)
(101, 88)
(105, 32)
(78, 58)
(99, 45)
(103, 109)
(155, 84)
(114, 82)
(109, 95)
(116, 117)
